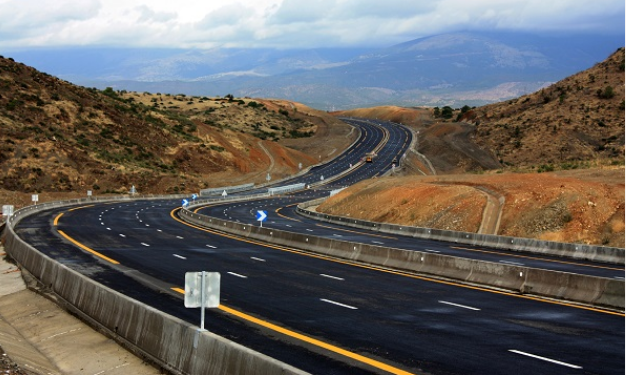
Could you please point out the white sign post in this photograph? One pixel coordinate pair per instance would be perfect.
(7, 210)
(35, 198)
(202, 289)
(261, 216)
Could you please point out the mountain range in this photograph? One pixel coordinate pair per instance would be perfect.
(462, 68)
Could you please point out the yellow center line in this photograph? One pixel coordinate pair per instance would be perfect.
(80, 245)
(102, 256)
(56, 219)
(81, 207)
(285, 217)
(310, 340)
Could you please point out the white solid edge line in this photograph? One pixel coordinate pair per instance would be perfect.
(545, 359)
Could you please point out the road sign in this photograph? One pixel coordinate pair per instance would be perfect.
(185, 203)
(261, 215)
(194, 197)
(224, 194)
(202, 289)
(194, 288)
(7, 210)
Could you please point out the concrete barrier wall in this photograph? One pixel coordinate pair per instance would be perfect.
(603, 254)
(174, 344)
(604, 292)
(227, 189)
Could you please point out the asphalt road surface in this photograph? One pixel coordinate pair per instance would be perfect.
(376, 318)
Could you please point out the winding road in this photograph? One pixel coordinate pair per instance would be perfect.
(327, 316)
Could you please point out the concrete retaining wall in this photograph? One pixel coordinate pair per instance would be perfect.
(598, 291)
(174, 344)
(602, 254)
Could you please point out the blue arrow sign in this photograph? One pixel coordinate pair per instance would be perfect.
(261, 216)
(194, 196)
(185, 202)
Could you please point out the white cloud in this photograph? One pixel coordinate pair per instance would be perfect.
(286, 23)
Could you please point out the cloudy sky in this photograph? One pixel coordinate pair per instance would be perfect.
(287, 23)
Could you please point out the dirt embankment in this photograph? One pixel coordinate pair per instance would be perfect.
(583, 206)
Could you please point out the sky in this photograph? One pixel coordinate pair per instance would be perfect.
(287, 23)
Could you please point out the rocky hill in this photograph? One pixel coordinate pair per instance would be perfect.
(550, 165)
(575, 123)
(58, 138)
(569, 123)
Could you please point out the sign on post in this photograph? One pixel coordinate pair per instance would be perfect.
(7, 210)
(261, 216)
(202, 289)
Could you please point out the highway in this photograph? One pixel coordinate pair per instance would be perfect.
(282, 215)
(322, 315)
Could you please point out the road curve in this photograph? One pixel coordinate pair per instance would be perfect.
(322, 315)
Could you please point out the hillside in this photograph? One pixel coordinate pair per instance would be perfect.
(575, 123)
(576, 120)
(551, 164)
(60, 139)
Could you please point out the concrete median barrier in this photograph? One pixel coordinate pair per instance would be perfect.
(597, 291)
(602, 254)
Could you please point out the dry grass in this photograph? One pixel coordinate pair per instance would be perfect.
(585, 206)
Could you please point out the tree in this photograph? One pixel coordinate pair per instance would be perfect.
(607, 93)
(446, 112)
